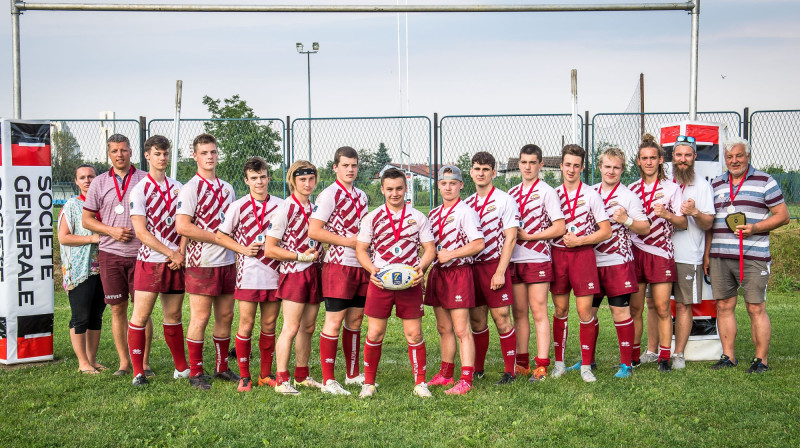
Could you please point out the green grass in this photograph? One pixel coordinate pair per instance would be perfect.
(50, 404)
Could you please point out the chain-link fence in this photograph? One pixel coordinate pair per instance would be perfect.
(75, 142)
(502, 136)
(238, 140)
(404, 142)
(775, 148)
(625, 130)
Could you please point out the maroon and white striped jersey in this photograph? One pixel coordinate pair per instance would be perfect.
(376, 229)
(289, 225)
(659, 240)
(206, 203)
(539, 209)
(617, 249)
(157, 202)
(588, 211)
(244, 224)
(454, 227)
(497, 213)
(342, 217)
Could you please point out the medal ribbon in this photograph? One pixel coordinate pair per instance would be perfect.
(519, 198)
(263, 211)
(211, 187)
(648, 205)
(574, 207)
(302, 209)
(488, 196)
(126, 181)
(355, 203)
(445, 216)
(600, 190)
(400, 224)
(741, 238)
(167, 198)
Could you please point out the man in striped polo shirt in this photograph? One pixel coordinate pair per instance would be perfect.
(743, 258)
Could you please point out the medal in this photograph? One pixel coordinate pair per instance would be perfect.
(119, 209)
(164, 195)
(259, 238)
(573, 228)
(439, 247)
(396, 231)
(731, 209)
(572, 209)
(168, 220)
(521, 224)
(396, 250)
(222, 216)
(312, 243)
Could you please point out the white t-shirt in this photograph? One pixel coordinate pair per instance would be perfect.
(691, 243)
(617, 249)
(498, 213)
(538, 208)
(581, 216)
(659, 240)
(206, 203)
(289, 225)
(454, 227)
(244, 224)
(157, 202)
(376, 229)
(342, 217)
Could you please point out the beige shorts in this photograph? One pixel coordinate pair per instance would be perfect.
(724, 274)
(688, 288)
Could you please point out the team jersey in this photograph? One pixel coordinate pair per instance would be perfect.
(497, 213)
(157, 202)
(539, 208)
(377, 230)
(690, 244)
(342, 216)
(244, 224)
(617, 249)
(454, 227)
(206, 203)
(659, 240)
(581, 214)
(289, 225)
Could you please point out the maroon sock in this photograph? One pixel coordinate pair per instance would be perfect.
(559, 337)
(418, 355)
(481, 347)
(664, 352)
(372, 356)
(243, 347)
(328, 345)
(625, 338)
(195, 356)
(282, 377)
(467, 373)
(636, 352)
(586, 337)
(447, 369)
(523, 360)
(266, 345)
(508, 345)
(300, 373)
(596, 334)
(351, 343)
(173, 335)
(136, 348)
(541, 362)
(221, 348)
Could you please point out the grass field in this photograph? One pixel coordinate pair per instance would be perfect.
(51, 404)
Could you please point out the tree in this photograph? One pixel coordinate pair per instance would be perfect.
(382, 157)
(366, 165)
(66, 156)
(464, 163)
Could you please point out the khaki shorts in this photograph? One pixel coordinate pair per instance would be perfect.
(688, 288)
(725, 279)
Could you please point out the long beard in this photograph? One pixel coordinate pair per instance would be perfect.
(684, 176)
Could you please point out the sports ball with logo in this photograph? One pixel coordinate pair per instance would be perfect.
(396, 276)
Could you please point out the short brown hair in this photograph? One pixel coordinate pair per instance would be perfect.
(256, 165)
(483, 158)
(296, 166)
(203, 139)
(393, 173)
(344, 151)
(648, 141)
(117, 138)
(573, 150)
(157, 141)
(532, 149)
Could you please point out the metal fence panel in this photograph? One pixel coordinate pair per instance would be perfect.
(624, 130)
(462, 136)
(400, 141)
(238, 139)
(775, 148)
(75, 142)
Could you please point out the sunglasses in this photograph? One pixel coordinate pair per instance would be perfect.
(685, 138)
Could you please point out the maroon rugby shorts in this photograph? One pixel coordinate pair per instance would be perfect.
(575, 269)
(482, 273)
(344, 282)
(158, 277)
(301, 287)
(408, 302)
(256, 295)
(652, 268)
(450, 287)
(211, 281)
(531, 272)
(117, 276)
(617, 280)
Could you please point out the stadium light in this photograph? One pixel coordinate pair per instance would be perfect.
(314, 49)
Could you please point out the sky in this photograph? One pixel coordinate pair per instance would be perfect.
(76, 64)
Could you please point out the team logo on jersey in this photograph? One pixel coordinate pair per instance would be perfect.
(179, 204)
(491, 208)
(659, 195)
(411, 222)
(175, 192)
(449, 219)
(314, 209)
(581, 202)
(131, 205)
(612, 203)
(269, 226)
(534, 196)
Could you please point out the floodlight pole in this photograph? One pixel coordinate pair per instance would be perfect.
(17, 87)
(694, 59)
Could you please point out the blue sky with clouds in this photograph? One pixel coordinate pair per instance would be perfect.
(77, 64)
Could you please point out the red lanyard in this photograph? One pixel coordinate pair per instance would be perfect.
(600, 190)
(211, 187)
(648, 205)
(730, 184)
(574, 207)
(125, 182)
(488, 196)
(302, 209)
(400, 225)
(445, 216)
(167, 198)
(263, 211)
(355, 203)
(519, 199)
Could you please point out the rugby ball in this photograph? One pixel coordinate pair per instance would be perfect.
(396, 276)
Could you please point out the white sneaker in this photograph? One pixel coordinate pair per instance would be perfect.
(587, 375)
(308, 382)
(368, 390)
(559, 369)
(334, 388)
(177, 374)
(286, 389)
(358, 380)
(648, 356)
(421, 390)
(678, 361)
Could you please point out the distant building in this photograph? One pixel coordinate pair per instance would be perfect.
(419, 171)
